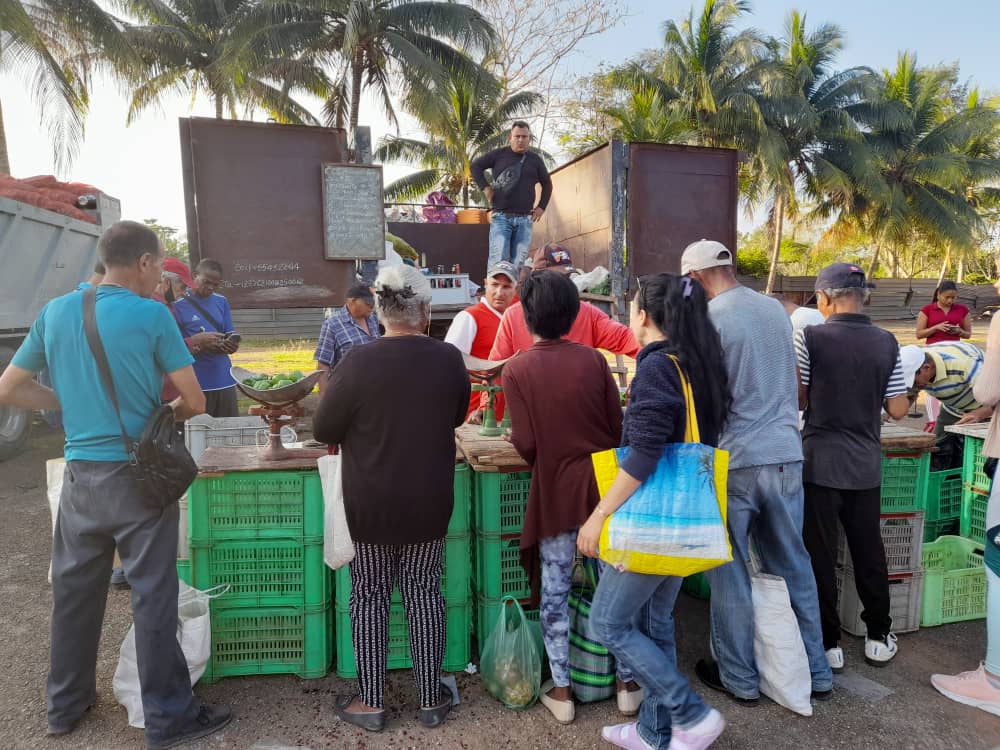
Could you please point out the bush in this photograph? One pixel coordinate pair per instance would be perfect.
(752, 262)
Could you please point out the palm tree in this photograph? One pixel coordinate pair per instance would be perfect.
(924, 157)
(52, 44)
(813, 139)
(463, 117)
(647, 114)
(221, 49)
(389, 46)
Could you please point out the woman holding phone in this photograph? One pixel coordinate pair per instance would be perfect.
(944, 319)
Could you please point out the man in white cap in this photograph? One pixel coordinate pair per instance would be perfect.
(765, 476)
(843, 451)
(474, 330)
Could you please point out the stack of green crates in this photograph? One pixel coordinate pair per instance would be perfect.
(499, 500)
(943, 503)
(261, 534)
(904, 481)
(975, 491)
(455, 586)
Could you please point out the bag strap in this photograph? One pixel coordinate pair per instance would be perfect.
(691, 432)
(204, 312)
(101, 357)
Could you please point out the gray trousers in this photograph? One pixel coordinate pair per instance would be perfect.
(100, 509)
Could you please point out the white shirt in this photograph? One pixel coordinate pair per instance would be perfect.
(463, 329)
(803, 317)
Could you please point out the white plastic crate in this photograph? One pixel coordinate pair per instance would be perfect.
(204, 432)
(902, 537)
(450, 289)
(905, 597)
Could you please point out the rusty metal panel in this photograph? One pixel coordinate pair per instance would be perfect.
(254, 202)
(580, 214)
(677, 195)
(448, 244)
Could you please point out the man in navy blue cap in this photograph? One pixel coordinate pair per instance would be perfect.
(848, 370)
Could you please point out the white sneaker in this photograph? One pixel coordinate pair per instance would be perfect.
(701, 735)
(835, 658)
(880, 653)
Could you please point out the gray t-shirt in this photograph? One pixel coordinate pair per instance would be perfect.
(763, 426)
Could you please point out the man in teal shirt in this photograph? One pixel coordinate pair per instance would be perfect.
(102, 507)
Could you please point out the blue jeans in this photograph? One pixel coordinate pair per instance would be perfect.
(633, 616)
(510, 238)
(765, 501)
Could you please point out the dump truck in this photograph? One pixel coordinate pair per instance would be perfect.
(45, 254)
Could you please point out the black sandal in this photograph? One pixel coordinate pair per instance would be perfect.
(373, 721)
(435, 715)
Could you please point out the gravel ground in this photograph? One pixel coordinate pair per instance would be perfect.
(889, 709)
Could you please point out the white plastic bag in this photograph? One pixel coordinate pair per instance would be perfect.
(591, 279)
(55, 469)
(194, 632)
(338, 547)
(777, 646)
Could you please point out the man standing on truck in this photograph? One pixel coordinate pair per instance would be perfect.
(515, 170)
(474, 330)
(101, 506)
(765, 476)
(204, 310)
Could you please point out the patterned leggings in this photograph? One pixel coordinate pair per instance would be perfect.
(558, 553)
(374, 571)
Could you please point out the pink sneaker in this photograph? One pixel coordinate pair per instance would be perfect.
(701, 735)
(971, 688)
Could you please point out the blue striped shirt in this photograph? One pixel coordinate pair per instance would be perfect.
(956, 363)
(340, 332)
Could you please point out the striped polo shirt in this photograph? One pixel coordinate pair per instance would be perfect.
(957, 363)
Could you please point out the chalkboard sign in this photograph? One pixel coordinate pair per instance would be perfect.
(353, 219)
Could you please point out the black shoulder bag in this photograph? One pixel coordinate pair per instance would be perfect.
(160, 461)
(508, 179)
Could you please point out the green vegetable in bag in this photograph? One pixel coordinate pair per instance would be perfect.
(511, 660)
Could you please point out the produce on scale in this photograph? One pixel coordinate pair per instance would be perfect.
(273, 382)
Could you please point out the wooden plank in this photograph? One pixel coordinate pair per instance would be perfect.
(487, 454)
(249, 458)
(896, 436)
(976, 429)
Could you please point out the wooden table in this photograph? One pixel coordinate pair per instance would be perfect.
(897, 437)
(218, 460)
(976, 429)
(487, 454)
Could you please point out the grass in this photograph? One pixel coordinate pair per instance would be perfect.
(276, 355)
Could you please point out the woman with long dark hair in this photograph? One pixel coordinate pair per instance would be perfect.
(944, 319)
(632, 613)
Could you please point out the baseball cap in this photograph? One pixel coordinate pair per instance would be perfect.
(502, 268)
(705, 254)
(361, 292)
(842, 276)
(179, 268)
(552, 257)
(911, 357)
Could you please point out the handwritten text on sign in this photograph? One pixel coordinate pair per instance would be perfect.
(353, 219)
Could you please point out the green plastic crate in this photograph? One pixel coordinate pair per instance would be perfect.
(697, 586)
(263, 573)
(954, 581)
(458, 625)
(270, 640)
(944, 495)
(904, 481)
(972, 465)
(455, 579)
(487, 612)
(498, 572)
(254, 505)
(184, 571)
(459, 522)
(500, 500)
(934, 529)
(972, 524)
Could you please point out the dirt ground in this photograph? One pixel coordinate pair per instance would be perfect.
(889, 709)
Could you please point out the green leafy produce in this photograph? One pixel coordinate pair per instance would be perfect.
(266, 382)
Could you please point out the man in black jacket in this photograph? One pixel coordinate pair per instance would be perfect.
(515, 172)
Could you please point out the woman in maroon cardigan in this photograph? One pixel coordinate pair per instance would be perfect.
(564, 406)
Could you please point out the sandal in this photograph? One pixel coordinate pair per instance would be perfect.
(373, 721)
(435, 715)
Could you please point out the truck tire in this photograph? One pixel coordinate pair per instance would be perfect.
(15, 424)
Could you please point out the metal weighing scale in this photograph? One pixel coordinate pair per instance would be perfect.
(277, 407)
(486, 371)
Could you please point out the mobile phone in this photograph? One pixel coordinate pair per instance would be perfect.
(232, 336)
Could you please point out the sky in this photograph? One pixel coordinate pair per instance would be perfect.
(140, 164)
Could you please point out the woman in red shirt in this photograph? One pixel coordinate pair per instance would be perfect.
(944, 319)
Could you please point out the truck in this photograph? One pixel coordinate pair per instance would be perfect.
(45, 254)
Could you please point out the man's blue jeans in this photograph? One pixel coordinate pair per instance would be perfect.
(765, 501)
(633, 616)
(510, 238)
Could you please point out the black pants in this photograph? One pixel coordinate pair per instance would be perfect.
(222, 403)
(858, 511)
(417, 568)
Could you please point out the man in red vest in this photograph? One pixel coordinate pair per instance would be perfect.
(474, 329)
